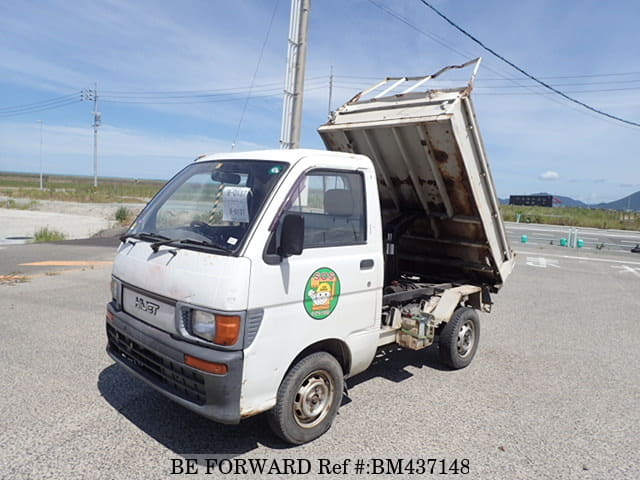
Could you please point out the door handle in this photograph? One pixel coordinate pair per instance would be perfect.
(366, 264)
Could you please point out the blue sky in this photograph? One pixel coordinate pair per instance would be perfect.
(135, 49)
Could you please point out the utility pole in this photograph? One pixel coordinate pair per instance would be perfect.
(296, 62)
(97, 116)
(92, 95)
(41, 184)
(330, 91)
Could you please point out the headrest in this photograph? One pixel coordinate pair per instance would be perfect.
(338, 202)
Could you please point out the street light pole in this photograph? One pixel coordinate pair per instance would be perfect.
(41, 184)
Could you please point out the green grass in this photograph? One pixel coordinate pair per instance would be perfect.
(46, 234)
(575, 217)
(123, 215)
(78, 189)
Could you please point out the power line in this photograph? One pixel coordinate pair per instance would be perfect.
(253, 78)
(220, 98)
(199, 98)
(356, 86)
(190, 93)
(570, 84)
(440, 41)
(556, 77)
(508, 89)
(187, 101)
(583, 75)
(38, 109)
(597, 90)
(463, 54)
(201, 92)
(525, 73)
(38, 104)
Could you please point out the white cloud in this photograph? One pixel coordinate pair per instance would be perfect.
(549, 175)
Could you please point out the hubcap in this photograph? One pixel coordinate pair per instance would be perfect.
(466, 338)
(313, 399)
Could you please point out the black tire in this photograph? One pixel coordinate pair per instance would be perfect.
(308, 399)
(459, 338)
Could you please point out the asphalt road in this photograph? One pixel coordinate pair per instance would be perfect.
(612, 241)
(554, 391)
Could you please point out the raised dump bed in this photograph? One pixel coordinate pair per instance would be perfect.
(439, 204)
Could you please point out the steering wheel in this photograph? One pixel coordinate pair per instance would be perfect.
(206, 231)
(198, 224)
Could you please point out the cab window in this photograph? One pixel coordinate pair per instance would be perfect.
(332, 205)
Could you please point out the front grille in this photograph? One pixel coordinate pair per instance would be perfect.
(163, 372)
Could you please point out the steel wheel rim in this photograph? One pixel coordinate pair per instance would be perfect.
(313, 399)
(466, 338)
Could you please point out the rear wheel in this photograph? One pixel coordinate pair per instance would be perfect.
(308, 399)
(459, 338)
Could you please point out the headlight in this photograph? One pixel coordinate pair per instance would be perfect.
(203, 324)
(216, 328)
(116, 292)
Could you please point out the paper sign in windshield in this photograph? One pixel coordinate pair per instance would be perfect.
(235, 202)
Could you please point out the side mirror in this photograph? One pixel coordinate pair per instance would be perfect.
(292, 235)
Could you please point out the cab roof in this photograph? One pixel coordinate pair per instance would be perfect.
(291, 156)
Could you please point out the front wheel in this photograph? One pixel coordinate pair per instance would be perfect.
(308, 399)
(459, 338)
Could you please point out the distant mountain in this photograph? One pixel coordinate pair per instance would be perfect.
(561, 201)
(630, 202)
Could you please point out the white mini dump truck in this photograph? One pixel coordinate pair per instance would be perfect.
(258, 281)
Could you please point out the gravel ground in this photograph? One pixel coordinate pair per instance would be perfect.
(552, 394)
(74, 219)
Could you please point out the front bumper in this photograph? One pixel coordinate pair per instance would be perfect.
(158, 358)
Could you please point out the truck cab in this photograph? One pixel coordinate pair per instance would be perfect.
(211, 306)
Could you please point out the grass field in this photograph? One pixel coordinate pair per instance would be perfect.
(77, 189)
(577, 217)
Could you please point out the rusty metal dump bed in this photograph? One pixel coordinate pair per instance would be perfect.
(433, 176)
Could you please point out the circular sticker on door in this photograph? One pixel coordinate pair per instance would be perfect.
(321, 293)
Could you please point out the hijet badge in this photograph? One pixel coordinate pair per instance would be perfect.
(321, 293)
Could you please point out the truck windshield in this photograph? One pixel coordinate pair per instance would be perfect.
(208, 205)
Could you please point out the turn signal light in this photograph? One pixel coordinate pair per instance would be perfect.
(211, 367)
(227, 329)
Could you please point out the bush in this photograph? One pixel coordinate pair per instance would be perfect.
(46, 234)
(123, 215)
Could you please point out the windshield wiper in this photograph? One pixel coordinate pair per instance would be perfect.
(188, 241)
(149, 237)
